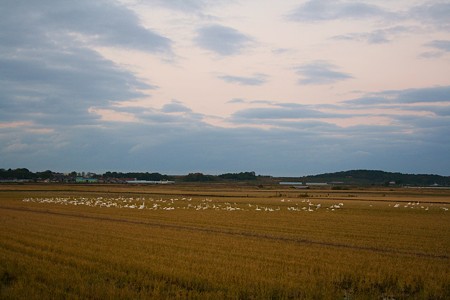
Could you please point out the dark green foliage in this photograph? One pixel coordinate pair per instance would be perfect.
(198, 177)
(239, 176)
(45, 175)
(21, 173)
(137, 175)
(375, 177)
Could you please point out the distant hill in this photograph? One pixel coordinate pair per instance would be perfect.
(376, 177)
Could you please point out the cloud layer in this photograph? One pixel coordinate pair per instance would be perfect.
(186, 86)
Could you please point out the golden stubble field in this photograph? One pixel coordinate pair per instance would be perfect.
(219, 241)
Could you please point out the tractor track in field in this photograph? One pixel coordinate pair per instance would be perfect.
(230, 232)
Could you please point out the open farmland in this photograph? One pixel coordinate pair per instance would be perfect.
(223, 241)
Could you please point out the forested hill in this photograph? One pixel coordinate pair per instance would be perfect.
(379, 177)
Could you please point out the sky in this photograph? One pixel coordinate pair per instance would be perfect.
(281, 88)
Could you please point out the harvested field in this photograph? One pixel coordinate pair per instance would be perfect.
(223, 241)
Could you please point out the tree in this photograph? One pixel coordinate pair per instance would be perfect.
(45, 175)
(239, 176)
(198, 177)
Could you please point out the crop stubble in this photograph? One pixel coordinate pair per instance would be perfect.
(366, 249)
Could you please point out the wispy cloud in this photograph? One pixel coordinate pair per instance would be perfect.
(325, 10)
(378, 36)
(440, 48)
(443, 45)
(281, 112)
(439, 94)
(432, 12)
(256, 79)
(188, 6)
(175, 107)
(320, 72)
(222, 40)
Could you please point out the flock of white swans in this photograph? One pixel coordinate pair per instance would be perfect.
(169, 204)
(181, 203)
(416, 205)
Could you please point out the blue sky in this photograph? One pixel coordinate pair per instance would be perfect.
(284, 89)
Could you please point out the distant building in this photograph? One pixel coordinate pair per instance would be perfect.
(316, 183)
(86, 180)
(291, 183)
(150, 182)
(15, 180)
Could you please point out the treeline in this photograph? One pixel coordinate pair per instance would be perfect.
(353, 177)
(200, 177)
(376, 177)
(25, 174)
(191, 177)
(139, 176)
